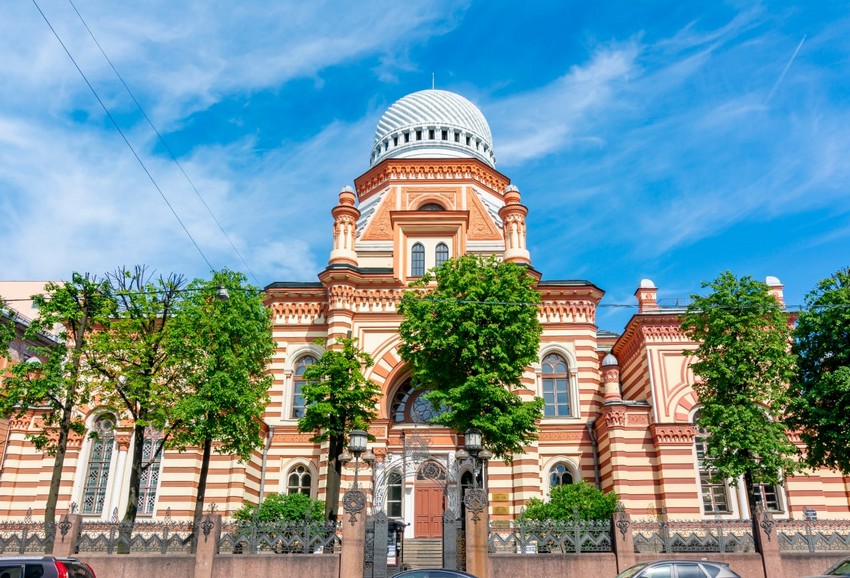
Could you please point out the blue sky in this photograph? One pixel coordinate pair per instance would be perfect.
(668, 140)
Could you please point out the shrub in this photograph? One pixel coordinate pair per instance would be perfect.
(283, 508)
(582, 500)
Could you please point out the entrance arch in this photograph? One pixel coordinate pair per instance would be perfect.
(428, 501)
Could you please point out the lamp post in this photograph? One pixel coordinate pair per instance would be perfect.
(354, 504)
(354, 500)
(475, 500)
(473, 452)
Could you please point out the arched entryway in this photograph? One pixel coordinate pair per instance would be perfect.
(428, 497)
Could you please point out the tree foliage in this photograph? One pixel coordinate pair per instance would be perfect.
(468, 340)
(53, 380)
(821, 389)
(338, 398)
(743, 366)
(138, 377)
(223, 347)
(582, 501)
(7, 327)
(282, 508)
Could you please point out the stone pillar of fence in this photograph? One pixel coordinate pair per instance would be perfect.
(624, 547)
(206, 545)
(65, 538)
(351, 561)
(767, 543)
(477, 532)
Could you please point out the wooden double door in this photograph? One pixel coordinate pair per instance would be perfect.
(427, 509)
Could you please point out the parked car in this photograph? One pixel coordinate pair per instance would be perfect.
(433, 573)
(44, 567)
(679, 569)
(842, 568)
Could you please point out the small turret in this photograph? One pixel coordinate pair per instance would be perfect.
(647, 296)
(345, 216)
(513, 217)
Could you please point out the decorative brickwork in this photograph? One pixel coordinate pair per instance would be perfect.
(673, 434)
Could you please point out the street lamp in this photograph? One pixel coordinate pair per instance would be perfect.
(476, 498)
(354, 500)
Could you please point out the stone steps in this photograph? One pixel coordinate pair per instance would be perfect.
(423, 553)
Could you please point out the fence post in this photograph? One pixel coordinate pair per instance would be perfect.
(379, 546)
(351, 562)
(624, 547)
(767, 544)
(477, 532)
(206, 545)
(65, 537)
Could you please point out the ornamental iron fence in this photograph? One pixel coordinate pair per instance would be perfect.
(150, 536)
(669, 536)
(550, 536)
(26, 536)
(289, 537)
(813, 535)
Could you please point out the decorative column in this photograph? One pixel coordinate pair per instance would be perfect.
(513, 221)
(345, 216)
(117, 483)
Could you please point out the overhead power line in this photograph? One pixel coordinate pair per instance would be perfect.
(123, 136)
(162, 140)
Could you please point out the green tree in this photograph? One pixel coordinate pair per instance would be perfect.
(138, 378)
(283, 508)
(224, 346)
(821, 388)
(468, 340)
(583, 501)
(53, 380)
(7, 328)
(337, 399)
(743, 365)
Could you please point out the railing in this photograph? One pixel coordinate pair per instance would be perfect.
(163, 537)
(256, 537)
(668, 536)
(550, 536)
(25, 537)
(813, 535)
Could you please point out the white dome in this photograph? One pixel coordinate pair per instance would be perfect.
(433, 124)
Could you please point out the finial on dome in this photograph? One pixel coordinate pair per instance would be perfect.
(346, 196)
(512, 195)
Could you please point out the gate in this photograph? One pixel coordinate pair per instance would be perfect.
(375, 546)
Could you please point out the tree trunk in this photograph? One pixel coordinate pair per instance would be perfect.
(133, 495)
(202, 487)
(335, 447)
(56, 477)
(751, 494)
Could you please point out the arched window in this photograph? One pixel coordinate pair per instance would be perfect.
(100, 459)
(560, 475)
(394, 495)
(432, 207)
(152, 459)
(442, 254)
(417, 260)
(410, 406)
(298, 382)
(556, 386)
(715, 495)
(299, 481)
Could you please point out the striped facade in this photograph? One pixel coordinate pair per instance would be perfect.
(622, 409)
